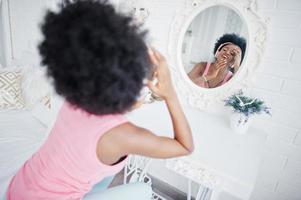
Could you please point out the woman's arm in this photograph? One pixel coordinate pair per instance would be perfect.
(165, 89)
(214, 82)
(196, 71)
(217, 75)
(237, 60)
(141, 141)
(130, 139)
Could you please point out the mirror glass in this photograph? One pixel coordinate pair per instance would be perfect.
(214, 46)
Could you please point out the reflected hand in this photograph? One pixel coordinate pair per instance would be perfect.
(220, 67)
(236, 59)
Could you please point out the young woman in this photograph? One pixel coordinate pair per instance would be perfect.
(99, 62)
(229, 52)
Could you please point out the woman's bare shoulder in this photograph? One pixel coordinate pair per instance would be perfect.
(120, 134)
(200, 66)
(202, 63)
(110, 147)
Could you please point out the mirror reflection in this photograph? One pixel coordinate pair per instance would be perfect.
(214, 46)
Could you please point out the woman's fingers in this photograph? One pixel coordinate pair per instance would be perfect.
(237, 58)
(155, 75)
(156, 58)
(158, 55)
(154, 51)
(153, 57)
(237, 53)
(152, 87)
(221, 64)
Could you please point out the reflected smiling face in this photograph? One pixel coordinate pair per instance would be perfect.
(228, 52)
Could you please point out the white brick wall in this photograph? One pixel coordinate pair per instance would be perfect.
(296, 57)
(291, 5)
(297, 140)
(276, 52)
(282, 61)
(268, 82)
(292, 88)
(2, 56)
(279, 83)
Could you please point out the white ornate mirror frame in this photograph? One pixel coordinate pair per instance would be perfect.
(203, 98)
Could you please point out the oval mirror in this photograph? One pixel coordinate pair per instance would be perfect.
(214, 46)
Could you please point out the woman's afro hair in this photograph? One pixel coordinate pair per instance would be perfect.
(96, 57)
(233, 38)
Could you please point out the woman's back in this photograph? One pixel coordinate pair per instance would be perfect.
(98, 61)
(66, 166)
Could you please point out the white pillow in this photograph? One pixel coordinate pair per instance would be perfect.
(40, 96)
(35, 85)
(10, 89)
(45, 114)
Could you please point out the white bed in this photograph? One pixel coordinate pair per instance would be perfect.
(21, 134)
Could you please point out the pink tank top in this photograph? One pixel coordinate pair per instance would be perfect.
(205, 85)
(66, 166)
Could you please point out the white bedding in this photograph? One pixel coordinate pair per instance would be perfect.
(20, 136)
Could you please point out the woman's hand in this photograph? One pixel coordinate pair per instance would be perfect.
(163, 88)
(236, 60)
(143, 142)
(220, 67)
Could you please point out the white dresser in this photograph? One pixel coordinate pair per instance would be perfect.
(223, 161)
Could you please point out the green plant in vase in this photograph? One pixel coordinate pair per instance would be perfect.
(246, 107)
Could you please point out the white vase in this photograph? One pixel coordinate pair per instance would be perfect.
(239, 123)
